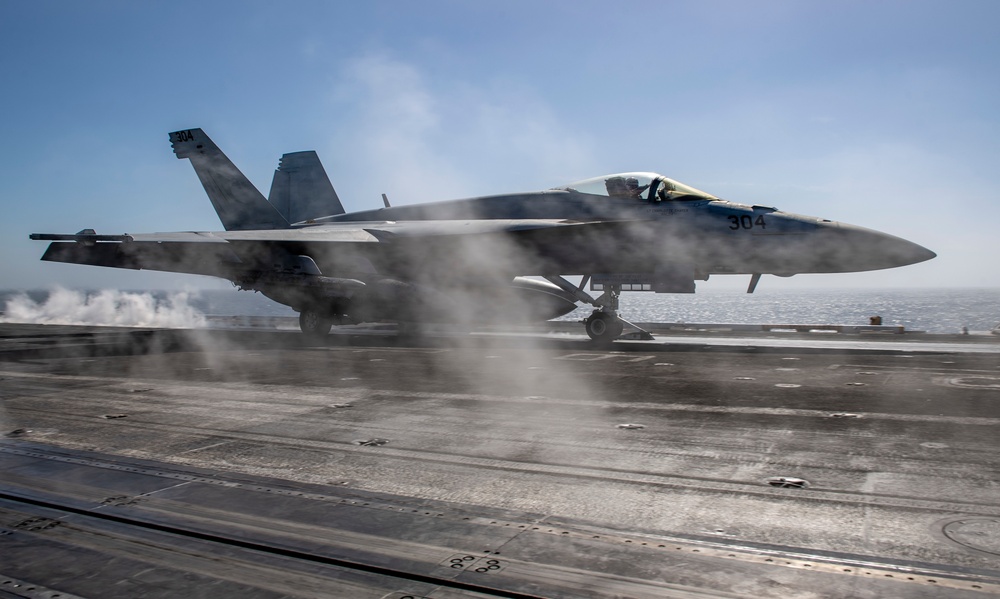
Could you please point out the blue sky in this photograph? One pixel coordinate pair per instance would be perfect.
(882, 114)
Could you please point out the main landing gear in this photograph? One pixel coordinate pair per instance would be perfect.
(604, 325)
(315, 324)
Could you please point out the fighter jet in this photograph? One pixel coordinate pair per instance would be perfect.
(499, 258)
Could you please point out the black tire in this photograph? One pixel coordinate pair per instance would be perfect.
(314, 324)
(603, 328)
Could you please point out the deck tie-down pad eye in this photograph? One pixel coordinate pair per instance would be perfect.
(473, 563)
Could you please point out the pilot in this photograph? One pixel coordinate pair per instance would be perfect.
(633, 187)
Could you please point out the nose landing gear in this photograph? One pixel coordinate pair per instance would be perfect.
(604, 325)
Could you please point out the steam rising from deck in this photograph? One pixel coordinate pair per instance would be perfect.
(108, 307)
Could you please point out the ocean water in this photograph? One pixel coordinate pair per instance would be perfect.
(930, 310)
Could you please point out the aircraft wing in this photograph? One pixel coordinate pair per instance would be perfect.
(194, 253)
(224, 253)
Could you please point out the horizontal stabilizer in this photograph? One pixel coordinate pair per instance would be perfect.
(239, 204)
(301, 189)
(81, 237)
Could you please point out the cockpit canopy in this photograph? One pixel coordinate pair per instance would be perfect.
(644, 186)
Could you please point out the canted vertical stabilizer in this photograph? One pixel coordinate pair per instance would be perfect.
(239, 204)
(301, 190)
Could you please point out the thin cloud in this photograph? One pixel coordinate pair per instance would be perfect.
(425, 140)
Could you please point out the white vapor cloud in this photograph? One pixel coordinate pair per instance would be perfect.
(105, 308)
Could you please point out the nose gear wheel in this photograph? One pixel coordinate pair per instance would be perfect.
(603, 327)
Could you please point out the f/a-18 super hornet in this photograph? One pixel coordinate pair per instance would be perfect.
(500, 258)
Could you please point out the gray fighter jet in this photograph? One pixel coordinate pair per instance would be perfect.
(471, 260)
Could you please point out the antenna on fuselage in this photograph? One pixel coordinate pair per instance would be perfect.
(385, 201)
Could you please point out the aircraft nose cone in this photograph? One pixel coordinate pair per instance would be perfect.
(920, 253)
(874, 250)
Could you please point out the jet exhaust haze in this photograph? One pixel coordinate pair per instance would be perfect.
(528, 403)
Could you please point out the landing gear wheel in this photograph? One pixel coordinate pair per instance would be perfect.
(603, 328)
(314, 324)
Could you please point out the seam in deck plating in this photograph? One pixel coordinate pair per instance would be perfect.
(284, 552)
(866, 567)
